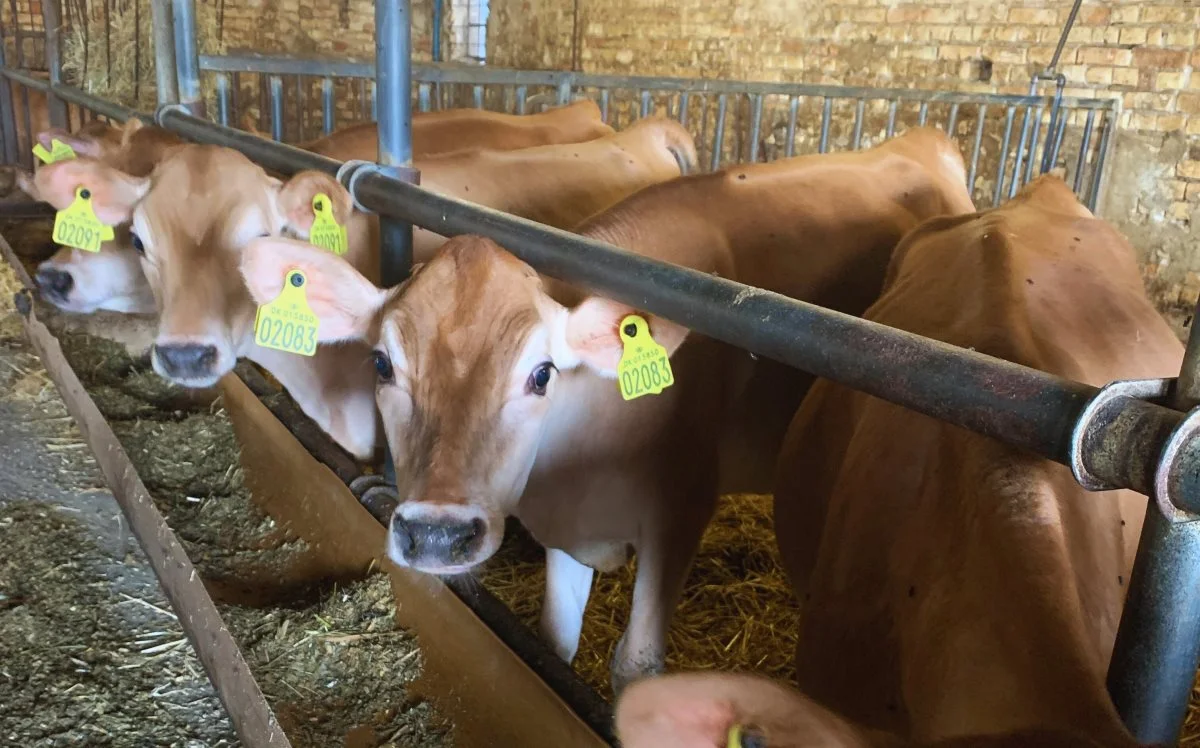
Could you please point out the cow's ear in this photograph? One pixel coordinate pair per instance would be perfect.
(296, 200)
(592, 333)
(114, 194)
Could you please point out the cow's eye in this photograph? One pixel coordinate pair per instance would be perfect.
(383, 366)
(539, 378)
(137, 244)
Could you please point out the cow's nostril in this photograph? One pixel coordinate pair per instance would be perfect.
(403, 537)
(55, 282)
(187, 359)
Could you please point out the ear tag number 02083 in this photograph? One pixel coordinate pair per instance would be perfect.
(644, 368)
(59, 151)
(287, 323)
(77, 225)
(326, 232)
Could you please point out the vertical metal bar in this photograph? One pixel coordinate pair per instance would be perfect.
(923, 113)
(793, 110)
(1084, 144)
(187, 57)
(891, 125)
(328, 108)
(166, 82)
(604, 105)
(423, 97)
(393, 74)
(275, 100)
(859, 112)
(223, 99)
(1033, 144)
(564, 92)
(477, 96)
(1003, 165)
(952, 122)
(645, 109)
(373, 88)
(362, 99)
(8, 112)
(683, 108)
(437, 30)
(52, 22)
(826, 116)
(521, 91)
(755, 126)
(1022, 143)
(1157, 648)
(719, 135)
(976, 147)
(301, 109)
(1110, 124)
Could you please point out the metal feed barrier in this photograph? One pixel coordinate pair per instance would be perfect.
(732, 121)
(1142, 435)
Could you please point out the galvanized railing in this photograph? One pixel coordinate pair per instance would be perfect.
(1006, 139)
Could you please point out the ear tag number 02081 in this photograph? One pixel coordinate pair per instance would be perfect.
(644, 368)
(326, 232)
(59, 151)
(77, 225)
(287, 323)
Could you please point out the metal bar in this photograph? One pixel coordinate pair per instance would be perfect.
(520, 96)
(1033, 144)
(1062, 39)
(719, 135)
(1084, 144)
(893, 106)
(564, 92)
(645, 110)
(793, 111)
(187, 56)
(275, 101)
(477, 96)
(52, 22)
(74, 95)
(1022, 144)
(923, 113)
(604, 105)
(362, 100)
(1003, 165)
(683, 108)
(423, 103)
(1019, 406)
(1053, 130)
(975, 148)
(393, 55)
(373, 88)
(755, 126)
(301, 111)
(8, 114)
(826, 116)
(952, 122)
(437, 31)
(328, 108)
(223, 99)
(859, 112)
(1110, 124)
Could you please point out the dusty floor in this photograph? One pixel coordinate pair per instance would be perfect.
(331, 662)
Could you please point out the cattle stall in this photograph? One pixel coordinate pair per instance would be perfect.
(1137, 435)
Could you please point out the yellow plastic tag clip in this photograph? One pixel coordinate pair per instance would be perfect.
(326, 232)
(735, 737)
(644, 368)
(287, 323)
(77, 225)
(59, 151)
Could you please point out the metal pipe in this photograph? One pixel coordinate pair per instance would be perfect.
(859, 115)
(1062, 39)
(187, 56)
(52, 22)
(793, 111)
(1110, 124)
(477, 96)
(328, 108)
(393, 60)
(223, 99)
(8, 114)
(719, 135)
(437, 31)
(521, 92)
(1033, 144)
(952, 121)
(1084, 144)
(683, 108)
(893, 106)
(1003, 165)
(423, 101)
(923, 113)
(826, 116)
(69, 93)
(645, 110)
(275, 100)
(604, 106)
(1019, 162)
(755, 126)
(373, 87)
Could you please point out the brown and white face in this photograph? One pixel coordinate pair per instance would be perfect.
(191, 219)
(85, 282)
(472, 355)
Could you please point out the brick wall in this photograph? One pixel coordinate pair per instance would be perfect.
(1141, 52)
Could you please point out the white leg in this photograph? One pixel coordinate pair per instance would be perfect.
(568, 584)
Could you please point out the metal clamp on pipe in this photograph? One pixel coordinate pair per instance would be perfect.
(162, 111)
(348, 175)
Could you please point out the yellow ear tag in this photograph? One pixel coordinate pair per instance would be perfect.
(77, 225)
(644, 368)
(326, 232)
(59, 151)
(735, 737)
(288, 324)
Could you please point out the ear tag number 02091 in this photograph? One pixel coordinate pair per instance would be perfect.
(644, 368)
(59, 151)
(326, 232)
(77, 225)
(287, 323)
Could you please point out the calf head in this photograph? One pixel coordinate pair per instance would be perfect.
(469, 355)
(85, 282)
(190, 220)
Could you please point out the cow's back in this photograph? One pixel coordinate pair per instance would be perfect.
(954, 585)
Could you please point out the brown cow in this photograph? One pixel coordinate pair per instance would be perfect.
(953, 585)
(497, 388)
(719, 710)
(204, 204)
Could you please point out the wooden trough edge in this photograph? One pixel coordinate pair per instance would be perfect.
(252, 718)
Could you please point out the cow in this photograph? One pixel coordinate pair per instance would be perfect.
(202, 206)
(953, 585)
(449, 130)
(83, 282)
(725, 710)
(497, 389)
